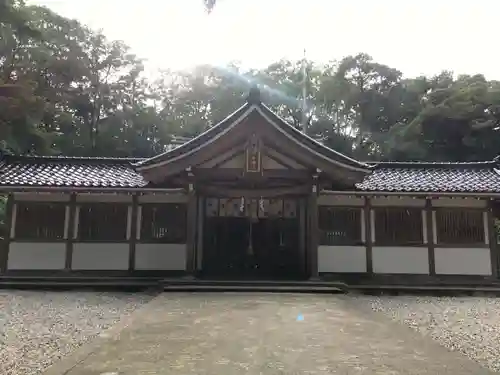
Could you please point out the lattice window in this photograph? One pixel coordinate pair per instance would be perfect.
(340, 225)
(165, 223)
(40, 221)
(398, 226)
(106, 222)
(459, 226)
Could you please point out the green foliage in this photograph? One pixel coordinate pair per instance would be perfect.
(66, 89)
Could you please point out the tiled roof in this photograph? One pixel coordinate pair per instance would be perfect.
(70, 172)
(120, 173)
(433, 177)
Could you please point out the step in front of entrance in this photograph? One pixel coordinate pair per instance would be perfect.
(253, 286)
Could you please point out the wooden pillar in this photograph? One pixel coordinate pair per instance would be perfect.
(199, 234)
(191, 223)
(132, 232)
(4, 249)
(369, 234)
(312, 209)
(492, 239)
(69, 226)
(431, 236)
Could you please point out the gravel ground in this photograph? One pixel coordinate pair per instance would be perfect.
(38, 328)
(469, 325)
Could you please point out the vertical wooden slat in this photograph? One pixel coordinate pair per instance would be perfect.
(138, 224)
(132, 238)
(76, 222)
(191, 232)
(370, 234)
(313, 232)
(303, 234)
(492, 240)
(363, 226)
(4, 254)
(199, 235)
(434, 227)
(12, 228)
(430, 225)
(69, 223)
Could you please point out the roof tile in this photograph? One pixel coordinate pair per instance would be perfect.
(70, 172)
(451, 178)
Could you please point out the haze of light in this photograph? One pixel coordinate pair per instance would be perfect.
(417, 37)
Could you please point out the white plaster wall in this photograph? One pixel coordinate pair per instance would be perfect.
(341, 259)
(100, 256)
(462, 261)
(398, 259)
(171, 257)
(36, 256)
(340, 200)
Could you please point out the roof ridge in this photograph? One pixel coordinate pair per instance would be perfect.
(432, 164)
(72, 158)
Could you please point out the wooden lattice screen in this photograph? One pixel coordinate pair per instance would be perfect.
(459, 226)
(339, 225)
(40, 221)
(398, 226)
(165, 223)
(103, 222)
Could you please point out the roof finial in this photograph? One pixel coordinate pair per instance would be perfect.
(254, 95)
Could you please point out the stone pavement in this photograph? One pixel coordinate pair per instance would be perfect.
(261, 334)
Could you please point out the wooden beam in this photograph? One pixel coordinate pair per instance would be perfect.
(4, 251)
(132, 224)
(431, 236)
(204, 174)
(369, 234)
(254, 193)
(69, 224)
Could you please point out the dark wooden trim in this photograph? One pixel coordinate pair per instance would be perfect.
(470, 209)
(430, 237)
(492, 240)
(368, 232)
(191, 224)
(280, 161)
(221, 192)
(232, 152)
(462, 245)
(4, 250)
(42, 203)
(39, 240)
(312, 209)
(400, 244)
(69, 240)
(133, 232)
(237, 173)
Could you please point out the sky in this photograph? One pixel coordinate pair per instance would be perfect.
(416, 37)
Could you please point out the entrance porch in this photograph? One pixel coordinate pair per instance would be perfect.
(253, 238)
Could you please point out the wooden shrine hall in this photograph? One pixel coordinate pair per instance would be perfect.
(252, 198)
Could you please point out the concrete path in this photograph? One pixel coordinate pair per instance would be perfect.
(261, 334)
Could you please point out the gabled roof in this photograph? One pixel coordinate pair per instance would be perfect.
(254, 106)
(118, 173)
